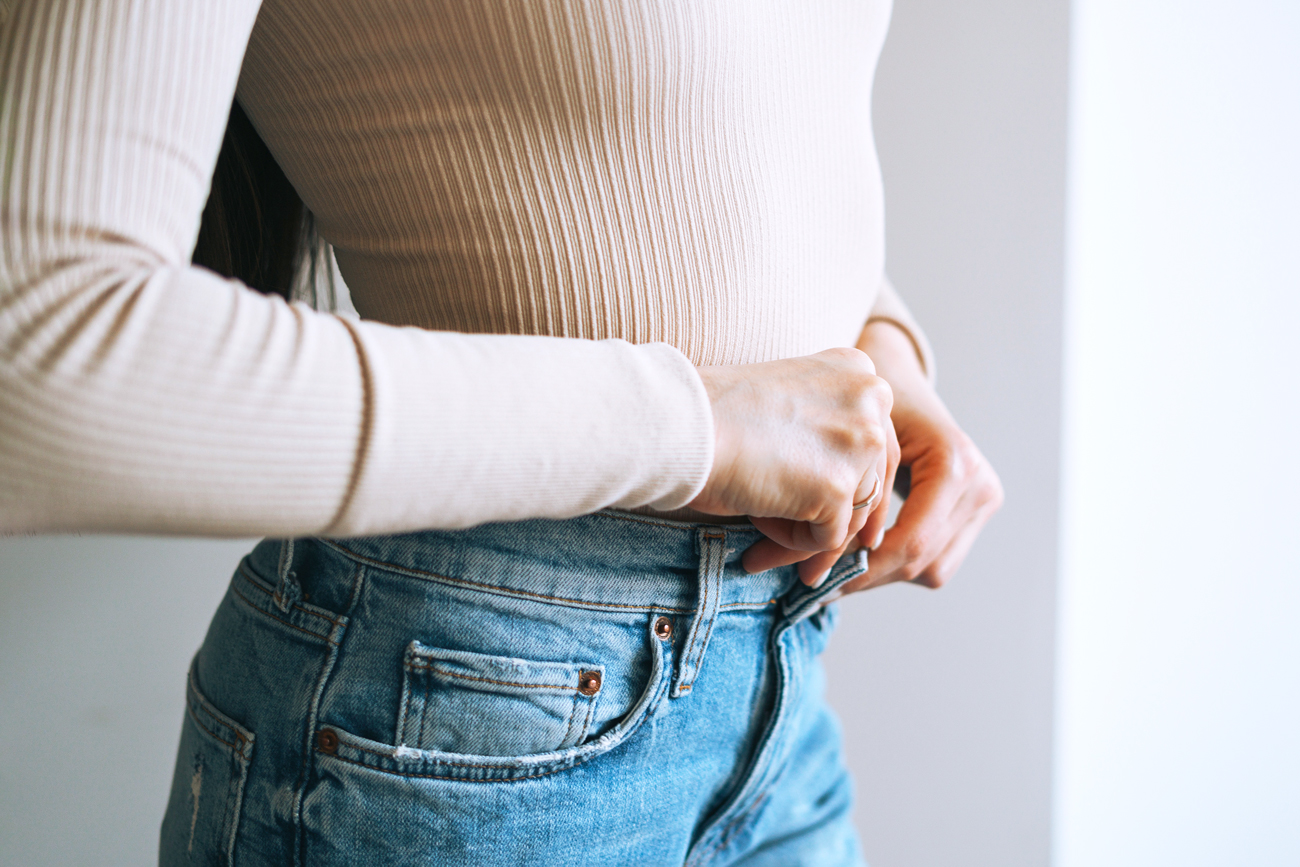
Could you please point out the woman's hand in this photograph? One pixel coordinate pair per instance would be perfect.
(954, 490)
(799, 442)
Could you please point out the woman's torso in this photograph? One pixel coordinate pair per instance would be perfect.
(699, 173)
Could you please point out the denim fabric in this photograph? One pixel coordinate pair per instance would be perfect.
(607, 690)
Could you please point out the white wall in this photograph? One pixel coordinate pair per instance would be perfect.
(946, 697)
(1179, 715)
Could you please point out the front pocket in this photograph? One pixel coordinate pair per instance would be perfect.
(338, 750)
(460, 702)
(207, 786)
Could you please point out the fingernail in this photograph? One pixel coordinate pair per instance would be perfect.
(880, 537)
(819, 580)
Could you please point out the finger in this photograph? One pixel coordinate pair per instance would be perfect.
(814, 570)
(813, 566)
(868, 491)
(768, 554)
(787, 533)
(924, 528)
(940, 570)
(807, 535)
(874, 531)
(863, 508)
(825, 535)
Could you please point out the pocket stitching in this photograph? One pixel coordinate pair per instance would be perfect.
(656, 688)
(415, 700)
(197, 698)
(445, 776)
(327, 637)
(569, 763)
(447, 673)
(238, 748)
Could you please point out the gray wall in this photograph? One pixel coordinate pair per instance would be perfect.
(95, 636)
(946, 696)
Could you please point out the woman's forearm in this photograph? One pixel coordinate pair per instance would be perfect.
(138, 393)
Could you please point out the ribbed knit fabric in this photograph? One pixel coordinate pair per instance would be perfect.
(676, 184)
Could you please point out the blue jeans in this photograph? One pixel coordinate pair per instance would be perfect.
(606, 690)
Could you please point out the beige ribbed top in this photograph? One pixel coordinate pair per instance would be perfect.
(673, 183)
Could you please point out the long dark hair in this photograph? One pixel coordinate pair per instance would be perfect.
(254, 226)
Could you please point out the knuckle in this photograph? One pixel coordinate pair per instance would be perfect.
(911, 574)
(842, 486)
(933, 580)
(915, 548)
(961, 459)
(806, 514)
(988, 490)
(883, 393)
(871, 439)
(850, 357)
(872, 394)
(995, 495)
(945, 455)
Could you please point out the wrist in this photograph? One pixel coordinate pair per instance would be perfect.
(894, 353)
(720, 383)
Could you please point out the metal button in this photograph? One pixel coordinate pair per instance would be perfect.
(327, 741)
(589, 682)
(664, 628)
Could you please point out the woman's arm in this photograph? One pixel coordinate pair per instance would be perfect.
(889, 308)
(138, 393)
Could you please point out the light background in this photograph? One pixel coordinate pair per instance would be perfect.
(947, 696)
(1179, 715)
(1157, 726)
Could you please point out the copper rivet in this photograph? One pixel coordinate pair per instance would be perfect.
(664, 628)
(589, 682)
(327, 741)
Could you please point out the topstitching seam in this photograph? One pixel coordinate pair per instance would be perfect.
(434, 668)
(244, 571)
(511, 591)
(327, 639)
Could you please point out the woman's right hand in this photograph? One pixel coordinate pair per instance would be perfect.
(799, 441)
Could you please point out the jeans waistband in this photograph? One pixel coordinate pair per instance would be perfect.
(606, 559)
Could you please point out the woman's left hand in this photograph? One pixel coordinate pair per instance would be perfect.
(954, 490)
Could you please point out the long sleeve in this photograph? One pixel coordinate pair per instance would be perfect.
(889, 307)
(139, 393)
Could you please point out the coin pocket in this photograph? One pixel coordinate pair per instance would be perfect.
(456, 701)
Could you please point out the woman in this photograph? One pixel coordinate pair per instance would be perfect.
(612, 261)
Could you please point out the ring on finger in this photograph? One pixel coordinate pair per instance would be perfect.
(871, 497)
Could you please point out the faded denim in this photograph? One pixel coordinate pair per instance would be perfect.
(606, 690)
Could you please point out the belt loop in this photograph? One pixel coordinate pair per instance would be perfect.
(287, 590)
(713, 559)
